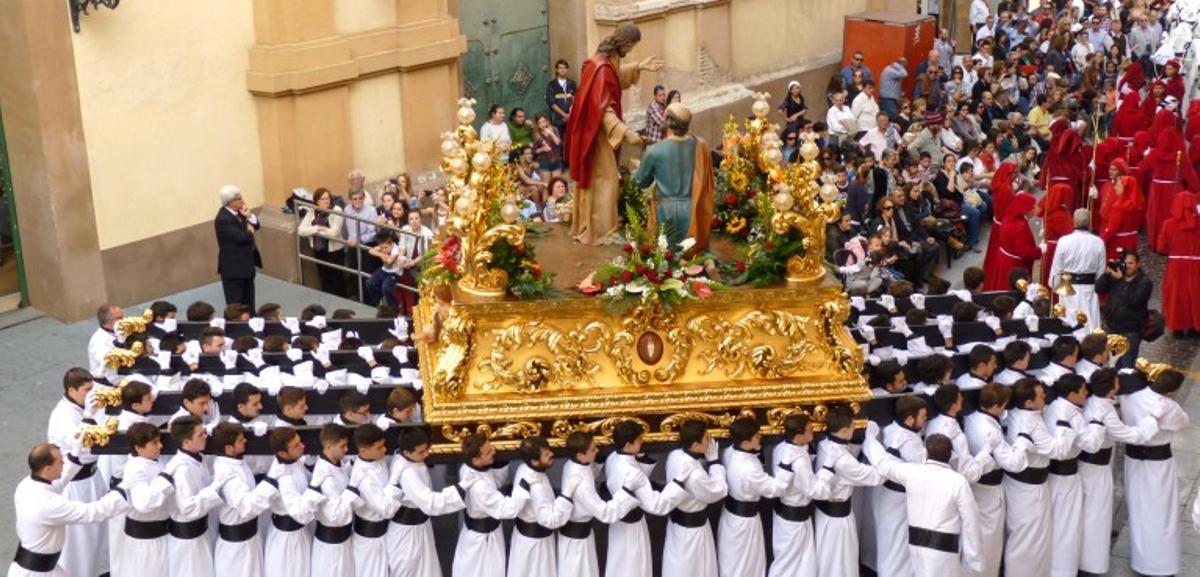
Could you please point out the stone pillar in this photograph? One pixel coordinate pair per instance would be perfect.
(430, 78)
(48, 157)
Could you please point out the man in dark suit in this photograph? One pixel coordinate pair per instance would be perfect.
(237, 255)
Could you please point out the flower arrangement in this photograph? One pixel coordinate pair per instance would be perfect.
(648, 266)
(632, 197)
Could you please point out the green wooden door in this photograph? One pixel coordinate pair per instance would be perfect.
(508, 54)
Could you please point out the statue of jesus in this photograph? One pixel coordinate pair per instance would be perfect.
(596, 130)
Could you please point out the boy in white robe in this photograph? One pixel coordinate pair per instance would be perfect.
(741, 547)
(480, 550)
(332, 550)
(901, 438)
(948, 401)
(412, 551)
(532, 551)
(1066, 493)
(688, 550)
(146, 524)
(836, 534)
(239, 549)
(288, 549)
(379, 502)
(137, 399)
(576, 543)
(1017, 355)
(791, 528)
(188, 550)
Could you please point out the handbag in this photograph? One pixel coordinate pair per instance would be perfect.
(1154, 326)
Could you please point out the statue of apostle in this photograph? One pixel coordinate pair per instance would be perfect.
(596, 130)
(681, 166)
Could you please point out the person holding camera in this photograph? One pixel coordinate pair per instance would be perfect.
(1128, 305)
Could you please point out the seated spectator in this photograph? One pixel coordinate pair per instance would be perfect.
(380, 284)
(558, 206)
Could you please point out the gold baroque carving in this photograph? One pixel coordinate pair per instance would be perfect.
(562, 428)
(455, 348)
(516, 430)
(672, 423)
(735, 353)
(570, 353)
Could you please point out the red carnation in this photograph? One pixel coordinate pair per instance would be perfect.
(537, 273)
(645, 249)
(626, 276)
(628, 248)
(751, 193)
(769, 246)
(730, 198)
(652, 276)
(741, 266)
(716, 223)
(670, 256)
(641, 268)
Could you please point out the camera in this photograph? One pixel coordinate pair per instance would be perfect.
(1117, 265)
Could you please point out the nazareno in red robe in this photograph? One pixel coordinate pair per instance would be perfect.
(1055, 211)
(1166, 166)
(1016, 245)
(1128, 119)
(1109, 150)
(1122, 214)
(1065, 161)
(1002, 194)
(1179, 239)
(599, 89)
(1174, 82)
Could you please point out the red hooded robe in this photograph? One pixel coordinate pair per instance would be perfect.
(1065, 162)
(1002, 195)
(599, 90)
(1109, 150)
(1055, 211)
(1122, 212)
(1179, 239)
(1167, 165)
(1133, 79)
(1128, 118)
(1016, 246)
(1174, 82)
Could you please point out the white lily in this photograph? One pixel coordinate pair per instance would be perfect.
(662, 242)
(687, 244)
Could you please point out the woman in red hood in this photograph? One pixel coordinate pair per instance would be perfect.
(1128, 118)
(1172, 80)
(1179, 239)
(1167, 165)
(1002, 195)
(1016, 246)
(1055, 211)
(1122, 210)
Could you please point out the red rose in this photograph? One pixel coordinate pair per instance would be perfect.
(751, 193)
(537, 273)
(652, 276)
(628, 248)
(520, 248)
(741, 266)
(645, 249)
(669, 255)
(730, 198)
(626, 276)
(716, 223)
(769, 246)
(641, 268)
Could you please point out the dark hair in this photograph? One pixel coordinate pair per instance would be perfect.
(691, 432)
(1025, 391)
(1068, 384)
(838, 417)
(234, 311)
(945, 397)
(916, 317)
(275, 344)
(909, 406)
(279, 438)
(76, 377)
(183, 428)
(1003, 306)
(1017, 274)
(561, 62)
(1102, 382)
(1063, 347)
(170, 343)
(578, 442)
(795, 424)
(312, 311)
(367, 435)
(161, 309)
(886, 372)
(994, 395)
(133, 393)
(342, 314)
(1015, 351)
(200, 312)
(413, 438)
(472, 445)
(1092, 345)
(965, 312)
(288, 396)
(194, 389)
(333, 433)
(210, 334)
(1168, 382)
(530, 448)
(242, 393)
(494, 108)
(140, 435)
(743, 429)
(351, 401)
(938, 448)
(936, 285)
(225, 435)
(626, 431)
(41, 456)
(933, 368)
(980, 355)
(245, 343)
(401, 398)
(269, 310)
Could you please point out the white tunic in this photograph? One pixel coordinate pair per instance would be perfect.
(86, 549)
(42, 514)
(113, 466)
(379, 501)
(891, 521)
(243, 503)
(287, 552)
(985, 435)
(150, 501)
(535, 556)
(968, 381)
(690, 551)
(837, 537)
(194, 498)
(333, 559)
(629, 542)
(412, 551)
(1051, 372)
(99, 345)
(577, 557)
(939, 500)
(1080, 252)
(1097, 481)
(962, 460)
(1066, 494)
(1028, 546)
(741, 547)
(1085, 368)
(1009, 377)
(792, 541)
(1152, 487)
(482, 554)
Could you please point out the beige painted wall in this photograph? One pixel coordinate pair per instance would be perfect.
(166, 115)
(350, 16)
(376, 126)
(771, 34)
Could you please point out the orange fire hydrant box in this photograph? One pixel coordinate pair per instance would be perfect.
(883, 37)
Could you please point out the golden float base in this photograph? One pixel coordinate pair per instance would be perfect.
(511, 369)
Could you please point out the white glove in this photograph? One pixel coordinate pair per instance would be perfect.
(359, 382)
(367, 354)
(292, 324)
(277, 469)
(570, 484)
(322, 355)
(874, 360)
(993, 323)
(711, 453)
(1034, 346)
(270, 379)
(868, 332)
(888, 302)
(1032, 292)
(962, 294)
(917, 347)
(321, 386)
(380, 373)
(918, 300)
(317, 322)
(163, 358)
(294, 354)
(946, 327)
(1042, 247)
(399, 329)
(257, 324)
(900, 325)
(192, 346)
(825, 476)
(1031, 323)
(332, 338)
(255, 357)
(218, 386)
(872, 429)
(1069, 319)
(303, 372)
(634, 480)
(259, 428)
(229, 358)
(401, 354)
(217, 322)
(1093, 193)
(858, 303)
(901, 357)
(191, 357)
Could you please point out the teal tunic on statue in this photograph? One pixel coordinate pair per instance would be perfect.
(670, 164)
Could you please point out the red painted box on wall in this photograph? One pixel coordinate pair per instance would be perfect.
(883, 37)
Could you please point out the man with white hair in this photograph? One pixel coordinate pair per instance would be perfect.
(237, 254)
(1080, 254)
(358, 182)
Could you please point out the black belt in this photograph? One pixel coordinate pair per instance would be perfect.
(634, 516)
(1148, 452)
(834, 508)
(897, 487)
(1032, 475)
(992, 478)
(189, 529)
(1064, 468)
(532, 530)
(286, 523)
(147, 529)
(85, 472)
(1082, 278)
(741, 508)
(576, 529)
(259, 478)
(947, 542)
(238, 533)
(333, 535)
(409, 516)
(793, 513)
(1100, 458)
(35, 562)
(370, 529)
(482, 525)
(686, 519)
(113, 482)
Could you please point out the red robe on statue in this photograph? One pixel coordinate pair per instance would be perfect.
(1065, 162)
(1166, 166)
(599, 89)
(1002, 195)
(1016, 247)
(1122, 212)
(1055, 211)
(1179, 239)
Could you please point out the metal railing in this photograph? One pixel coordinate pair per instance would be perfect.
(356, 271)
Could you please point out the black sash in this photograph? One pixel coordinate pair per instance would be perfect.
(238, 533)
(794, 513)
(532, 530)
(576, 529)
(1100, 458)
(834, 508)
(1032, 476)
(285, 523)
(85, 472)
(897, 487)
(1148, 453)
(741, 508)
(686, 519)
(992, 478)
(1064, 468)
(947, 542)
(113, 482)
(35, 562)
(147, 529)
(188, 529)
(634, 516)
(409, 516)
(370, 529)
(333, 535)
(483, 525)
